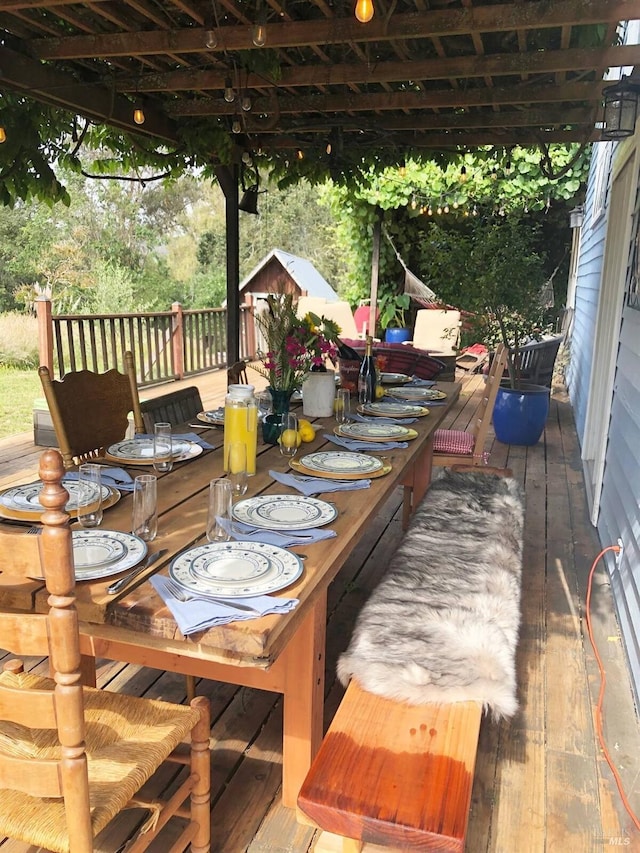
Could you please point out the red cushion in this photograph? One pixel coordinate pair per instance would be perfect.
(453, 441)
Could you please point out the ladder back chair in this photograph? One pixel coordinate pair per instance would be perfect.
(73, 757)
(237, 374)
(174, 408)
(451, 446)
(90, 410)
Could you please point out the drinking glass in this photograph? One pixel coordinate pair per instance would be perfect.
(220, 497)
(145, 507)
(343, 406)
(263, 401)
(238, 467)
(162, 448)
(89, 495)
(289, 435)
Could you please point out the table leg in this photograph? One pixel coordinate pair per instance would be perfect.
(302, 669)
(417, 483)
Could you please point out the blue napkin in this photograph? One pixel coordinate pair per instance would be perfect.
(374, 419)
(308, 486)
(117, 478)
(199, 614)
(184, 436)
(416, 382)
(283, 538)
(355, 444)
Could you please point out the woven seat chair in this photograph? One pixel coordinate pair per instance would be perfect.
(451, 446)
(90, 410)
(73, 757)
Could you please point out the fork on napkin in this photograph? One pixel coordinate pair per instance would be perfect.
(117, 478)
(198, 614)
(283, 538)
(308, 486)
(355, 444)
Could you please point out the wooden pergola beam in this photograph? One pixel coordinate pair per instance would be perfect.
(427, 24)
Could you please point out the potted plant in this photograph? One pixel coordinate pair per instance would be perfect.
(505, 275)
(393, 317)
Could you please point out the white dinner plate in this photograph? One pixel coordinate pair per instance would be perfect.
(393, 410)
(216, 417)
(223, 569)
(284, 512)
(22, 503)
(139, 451)
(376, 431)
(95, 543)
(394, 378)
(416, 394)
(341, 462)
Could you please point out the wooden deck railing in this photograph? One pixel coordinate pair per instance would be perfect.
(166, 344)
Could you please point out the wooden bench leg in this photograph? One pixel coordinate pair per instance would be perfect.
(327, 842)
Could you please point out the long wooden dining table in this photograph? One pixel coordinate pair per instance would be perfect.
(282, 653)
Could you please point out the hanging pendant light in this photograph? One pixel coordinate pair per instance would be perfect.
(259, 29)
(229, 93)
(3, 134)
(364, 10)
(138, 112)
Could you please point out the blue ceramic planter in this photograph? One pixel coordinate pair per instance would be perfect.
(397, 336)
(519, 414)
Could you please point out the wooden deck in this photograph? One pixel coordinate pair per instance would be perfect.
(541, 782)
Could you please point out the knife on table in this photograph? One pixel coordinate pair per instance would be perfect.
(119, 584)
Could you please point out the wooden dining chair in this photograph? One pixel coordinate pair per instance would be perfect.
(174, 408)
(73, 757)
(237, 374)
(91, 410)
(451, 446)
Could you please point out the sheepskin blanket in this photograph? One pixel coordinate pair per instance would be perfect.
(442, 626)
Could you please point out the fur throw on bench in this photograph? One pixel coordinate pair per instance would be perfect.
(442, 626)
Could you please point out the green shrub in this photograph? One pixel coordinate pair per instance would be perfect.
(18, 340)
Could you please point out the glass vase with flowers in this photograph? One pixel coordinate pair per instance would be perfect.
(292, 346)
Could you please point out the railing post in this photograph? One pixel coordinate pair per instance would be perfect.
(250, 329)
(177, 338)
(45, 332)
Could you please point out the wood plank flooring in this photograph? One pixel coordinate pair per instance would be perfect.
(541, 784)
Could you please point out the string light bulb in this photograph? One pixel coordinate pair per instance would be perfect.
(463, 174)
(211, 39)
(3, 134)
(229, 93)
(328, 148)
(138, 114)
(300, 154)
(259, 29)
(364, 10)
(236, 127)
(245, 103)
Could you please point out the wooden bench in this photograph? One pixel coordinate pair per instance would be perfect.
(393, 774)
(396, 774)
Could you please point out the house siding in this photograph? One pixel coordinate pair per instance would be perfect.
(619, 518)
(589, 272)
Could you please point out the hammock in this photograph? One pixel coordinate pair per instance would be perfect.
(412, 284)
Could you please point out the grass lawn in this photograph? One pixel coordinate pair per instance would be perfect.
(18, 390)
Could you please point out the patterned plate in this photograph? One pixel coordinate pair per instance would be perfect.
(21, 503)
(97, 543)
(394, 378)
(235, 565)
(416, 394)
(376, 431)
(341, 462)
(139, 451)
(186, 569)
(393, 410)
(284, 512)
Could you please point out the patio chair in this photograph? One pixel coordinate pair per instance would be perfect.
(90, 410)
(72, 757)
(437, 330)
(452, 446)
(341, 313)
(237, 374)
(174, 408)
